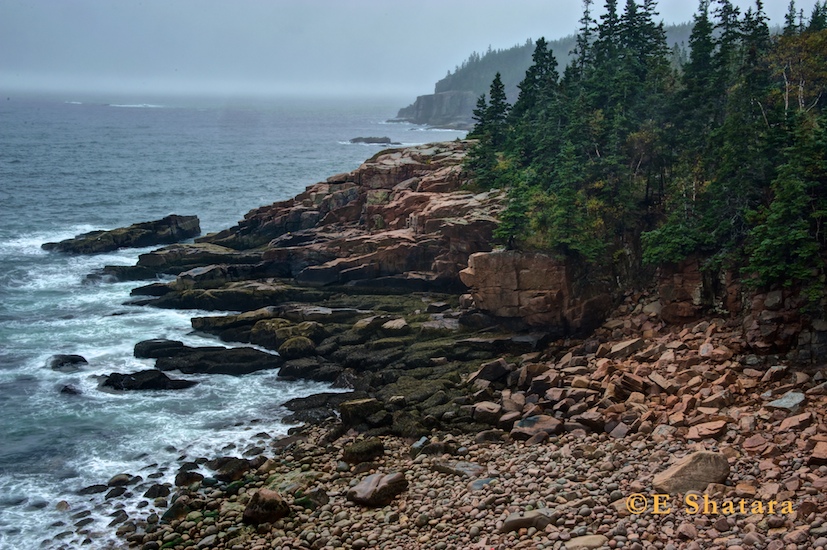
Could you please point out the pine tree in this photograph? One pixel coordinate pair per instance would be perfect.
(790, 26)
(496, 115)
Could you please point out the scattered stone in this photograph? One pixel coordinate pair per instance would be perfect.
(587, 542)
(791, 401)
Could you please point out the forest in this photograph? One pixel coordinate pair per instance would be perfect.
(625, 154)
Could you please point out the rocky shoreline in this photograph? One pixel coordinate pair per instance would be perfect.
(496, 399)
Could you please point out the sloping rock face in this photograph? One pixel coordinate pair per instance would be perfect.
(536, 288)
(167, 230)
(400, 219)
(453, 109)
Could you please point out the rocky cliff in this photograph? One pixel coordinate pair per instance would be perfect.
(544, 368)
(443, 110)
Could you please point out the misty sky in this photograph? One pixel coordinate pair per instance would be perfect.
(396, 48)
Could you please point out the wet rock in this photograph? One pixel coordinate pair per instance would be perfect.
(209, 360)
(66, 363)
(157, 490)
(378, 489)
(693, 473)
(93, 489)
(357, 411)
(170, 229)
(265, 506)
(296, 347)
(229, 468)
(153, 349)
(186, 478)
(363, 451)
(70, 389)
(145, 380)
(119, 480)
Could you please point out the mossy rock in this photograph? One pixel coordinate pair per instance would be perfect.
(414, 390)
(356, 411)
(408, 425)
(297, 347)
(308, 329)
(363, 451)
(264, 332)
(387, 343)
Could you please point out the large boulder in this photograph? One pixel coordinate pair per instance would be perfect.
(363, 451)
(153, 349)
(170, 229)
(265, 506)
(692, 473)
(145, 380)
(297, 347)
(378, 489)
(215, 360)
(229, 468)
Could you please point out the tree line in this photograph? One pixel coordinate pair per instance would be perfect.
(723, 155)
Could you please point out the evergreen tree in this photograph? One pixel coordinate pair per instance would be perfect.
(790, 26)
(496, 115)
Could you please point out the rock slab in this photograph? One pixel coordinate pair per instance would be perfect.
(693, 473)
(378, 489)
(170, 229)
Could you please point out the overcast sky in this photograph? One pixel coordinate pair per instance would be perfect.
(396, 48)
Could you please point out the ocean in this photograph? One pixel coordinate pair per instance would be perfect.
(70, 165)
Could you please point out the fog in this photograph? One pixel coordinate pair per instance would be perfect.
(388, 48)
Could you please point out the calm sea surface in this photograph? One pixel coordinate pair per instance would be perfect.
(69, 165)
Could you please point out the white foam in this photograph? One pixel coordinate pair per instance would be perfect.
(136, 105)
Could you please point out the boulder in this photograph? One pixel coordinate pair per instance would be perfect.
(378, 489)
(170, 229)
(145, 380)
(357, 411)
(539, 519)
(296, 347)
(363, 451)
(229, 468)
(587, 542)
(372, 140)
(692, 473)
(209, 360)
(265, 506)
(528, 427)
(66, 363)
(153, 349)
(316, 408)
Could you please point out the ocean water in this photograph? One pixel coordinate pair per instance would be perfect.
(70, 165)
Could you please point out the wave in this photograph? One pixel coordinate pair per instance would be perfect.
(136, 105)
(431, 129)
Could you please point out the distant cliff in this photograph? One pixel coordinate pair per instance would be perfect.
(452, 103)
(451, 109)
